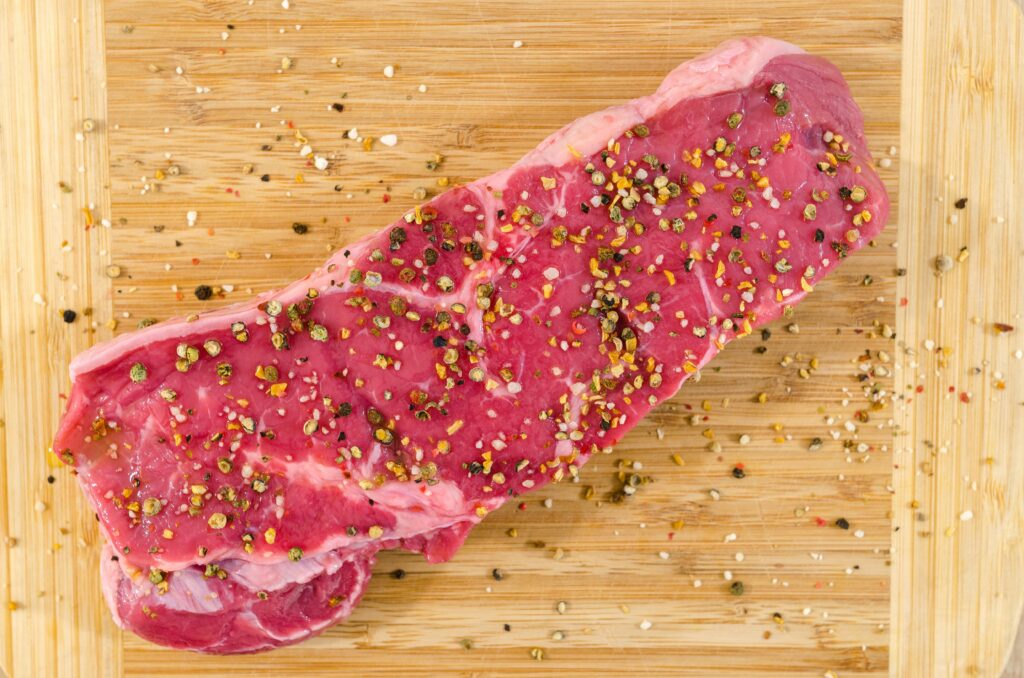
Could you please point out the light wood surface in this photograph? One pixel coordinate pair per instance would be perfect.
(51, 75)
(486, 103)
(957, 592)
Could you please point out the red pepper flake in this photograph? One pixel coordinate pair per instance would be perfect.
(965, 397)
(904, 301)
(820, 521)
(952, 389)
(195, 261)
(291, 125)
(671, 536)
(228, 189)
(522, 506)
(348, 220)
(919, 389)
(180, 296)
(578, 329)
(209, 231)
(385, 198)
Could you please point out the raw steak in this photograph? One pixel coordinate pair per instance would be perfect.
(246, 464)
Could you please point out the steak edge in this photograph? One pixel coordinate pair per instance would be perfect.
(246, 464)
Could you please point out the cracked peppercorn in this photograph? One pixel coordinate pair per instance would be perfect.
(204, 292)
(69, 316)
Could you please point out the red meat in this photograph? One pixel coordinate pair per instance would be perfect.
(247, 464)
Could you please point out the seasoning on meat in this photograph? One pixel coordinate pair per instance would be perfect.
(250, 462)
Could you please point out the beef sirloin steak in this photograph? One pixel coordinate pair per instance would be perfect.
(246, 464)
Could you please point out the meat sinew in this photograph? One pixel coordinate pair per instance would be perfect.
(247, 464)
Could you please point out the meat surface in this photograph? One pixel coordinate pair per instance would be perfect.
(246, 464)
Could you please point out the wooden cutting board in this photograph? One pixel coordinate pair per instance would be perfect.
(203, 107)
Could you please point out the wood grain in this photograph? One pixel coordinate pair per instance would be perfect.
(485, 105)
(957, 586)
(52, 620)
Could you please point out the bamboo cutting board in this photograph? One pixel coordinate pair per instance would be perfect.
(202, 107)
